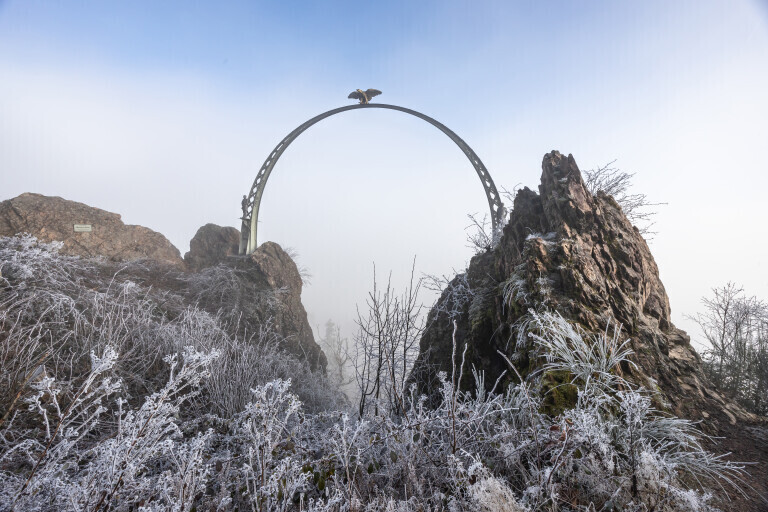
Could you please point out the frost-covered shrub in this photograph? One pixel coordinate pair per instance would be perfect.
(266, 431)
(455, 295)
(122, 398)
(617, 183)
(613, 446)
(482, 236)
(492, 494)
(98, 453)
(55, 310)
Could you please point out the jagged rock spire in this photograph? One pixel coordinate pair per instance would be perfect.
(567, 250)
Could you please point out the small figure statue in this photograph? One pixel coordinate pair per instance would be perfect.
(244, 205)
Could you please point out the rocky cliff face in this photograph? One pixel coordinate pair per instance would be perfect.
(569, 251)
(54, 219)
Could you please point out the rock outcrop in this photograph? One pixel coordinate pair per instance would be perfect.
(277, 270)
(263, 288)
(575, 253)
(211, 245)
(566, 250)
(54, 219)
(255, 291)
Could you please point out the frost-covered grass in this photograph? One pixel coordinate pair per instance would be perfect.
(118, 397)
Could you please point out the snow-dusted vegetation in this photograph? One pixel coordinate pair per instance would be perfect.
(117, 396)
(735, 328)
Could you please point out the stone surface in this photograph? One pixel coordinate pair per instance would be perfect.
(211, 245)
(254, 291)
(53, 219)
(569, 251)
(268, 291)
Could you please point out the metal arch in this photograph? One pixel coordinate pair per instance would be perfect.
(251, 211)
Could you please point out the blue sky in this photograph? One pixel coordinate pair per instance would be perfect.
(164, 111)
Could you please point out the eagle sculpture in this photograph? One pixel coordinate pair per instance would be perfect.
(363, 96)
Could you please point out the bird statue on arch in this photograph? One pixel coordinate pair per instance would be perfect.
(363, 96)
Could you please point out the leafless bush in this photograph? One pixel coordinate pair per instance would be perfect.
(617, 183)
(455, 295)
(304, 273)
(735, 327)
(386, 345)
(481, 235)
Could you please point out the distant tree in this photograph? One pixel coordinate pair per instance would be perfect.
(735, 327)
(617, 183)
(337, 350)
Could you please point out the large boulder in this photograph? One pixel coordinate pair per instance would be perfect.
(99, 233)
(265, 291)
(211, 245)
